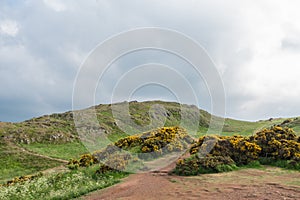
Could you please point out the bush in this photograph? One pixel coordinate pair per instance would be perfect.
(238, 148)
(85, 160)
(162, 140)
(210, 164)
(278, 143)
(22, 179)
(148, 145)
(275, 146)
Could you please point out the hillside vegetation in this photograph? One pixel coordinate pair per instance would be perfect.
(55, 136)
(131, 152)
(278, 146)
(274, 146)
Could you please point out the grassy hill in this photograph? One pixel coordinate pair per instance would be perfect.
(45, 142)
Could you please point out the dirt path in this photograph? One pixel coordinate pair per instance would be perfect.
(269, 183)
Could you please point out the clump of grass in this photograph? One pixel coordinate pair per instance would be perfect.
(287, 164)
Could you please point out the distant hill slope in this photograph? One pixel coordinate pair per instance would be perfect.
(59, 128)
(55, 135)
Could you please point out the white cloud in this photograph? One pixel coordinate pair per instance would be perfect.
(9, 27)
(271, 76)
(255, 45)
(56, 5)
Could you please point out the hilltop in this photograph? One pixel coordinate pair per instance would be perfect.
(60, 128)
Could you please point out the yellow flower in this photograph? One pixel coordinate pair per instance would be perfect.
(180, 162)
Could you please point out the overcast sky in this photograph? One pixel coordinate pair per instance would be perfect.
(255, 46)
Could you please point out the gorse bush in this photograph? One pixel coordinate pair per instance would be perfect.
(195, 165)
(147, 145)
(275, 146)
(166, 139)
(278, 143)
(84, 161)
(238, 148)
(22, 179)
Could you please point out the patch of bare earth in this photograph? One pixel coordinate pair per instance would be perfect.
(269, 183)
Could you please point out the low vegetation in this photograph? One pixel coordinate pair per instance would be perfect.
(27, 148)
(16, 162)
(63, 151)
(276, 146)
(132, 150)
(66, 185)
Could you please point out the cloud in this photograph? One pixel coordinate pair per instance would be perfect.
(267, 74)
(255, 45)
(56, 5)
(9, 27)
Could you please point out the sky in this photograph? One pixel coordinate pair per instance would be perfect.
(254, 44)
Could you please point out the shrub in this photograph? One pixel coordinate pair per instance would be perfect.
(275, 146)
(151, 144)
(210, 164)
(238, 148)
(117, 162)
(22, 179)
(164, 140)
(156, 142)
(278, 143)
(85, 160)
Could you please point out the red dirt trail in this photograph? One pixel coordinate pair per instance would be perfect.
(269, 183)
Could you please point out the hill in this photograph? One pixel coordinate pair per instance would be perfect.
(47, 141)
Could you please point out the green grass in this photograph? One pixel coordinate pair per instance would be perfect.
(63, 151)
(38, 132)
(65, 185)
(294, 124)
(16, 163)
(254, 164)
(116, 136)
(286, 164)
(40, 129)
(245, 128)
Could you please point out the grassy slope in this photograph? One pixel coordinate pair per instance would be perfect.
(63, 151)
(55, 135)
(294, 124)
(15, 162)
(245, 128)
